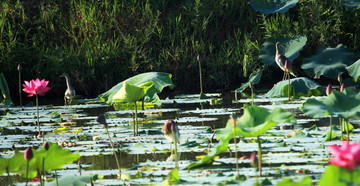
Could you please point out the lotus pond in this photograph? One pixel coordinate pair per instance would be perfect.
(289, 150)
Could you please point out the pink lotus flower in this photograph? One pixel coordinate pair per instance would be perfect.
(348, 155)
(342, 87)
(328, 89)
(36, 87)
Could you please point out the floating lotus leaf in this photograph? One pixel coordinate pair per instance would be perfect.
(351, 4)
(254, 122)
(72, 180)
(254, 79)
(342, 104)
(131, 93)
(160, 80)
(306, 181)
(328, 62)
(290, 49)
(299, 87)
(272, 6)
(354, 70)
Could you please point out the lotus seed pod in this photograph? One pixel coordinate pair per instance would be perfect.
(101, 120)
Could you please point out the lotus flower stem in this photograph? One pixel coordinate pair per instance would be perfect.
(19, 69)
(176, 151)
(259, 155)
(27, 171)
(43, 170)
(8, 174)
(136, 120)
(330, 128)
(133, 114)
(201, 89)
(288, 86)
(40, 178)
(347, 131)
(341, 128)
(57, 182)
(236, 157)
(112, 146)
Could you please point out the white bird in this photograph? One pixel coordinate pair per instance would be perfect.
(70, 91)
(280, 60)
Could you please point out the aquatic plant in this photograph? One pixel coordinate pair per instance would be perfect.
(131, 94)
(4, 89)
(36, 87)
(20, 98)
(28, 155)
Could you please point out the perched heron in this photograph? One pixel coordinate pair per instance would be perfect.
(171, 132)
(280, 60)
(70, 91)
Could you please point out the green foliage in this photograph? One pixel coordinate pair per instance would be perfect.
(160, 80)
(131, 93)
(272, 6)
(298, 87)
(354, 70)
(341, 104)
(306, 181)
(335, 175)
(254, 79)
(12, 164)
(72, 180)
(328, 62)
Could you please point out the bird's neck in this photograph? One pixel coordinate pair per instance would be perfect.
(68, 84)
(277, 49)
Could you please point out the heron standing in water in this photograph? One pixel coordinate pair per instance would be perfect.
(70, 91)
(280, 60)
(171, 132)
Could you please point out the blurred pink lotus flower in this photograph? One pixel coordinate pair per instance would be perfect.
(28, 155)
(328, 89)
(348, 155)
(36, 87)
(342, 87)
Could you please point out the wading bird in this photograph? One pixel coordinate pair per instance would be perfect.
(171, 132)
(280, 60)
(70, 91)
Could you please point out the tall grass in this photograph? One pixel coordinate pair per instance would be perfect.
(100, 43)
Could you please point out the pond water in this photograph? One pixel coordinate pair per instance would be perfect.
(146, 158)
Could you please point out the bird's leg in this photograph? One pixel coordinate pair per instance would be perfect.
(284, 76)
(65, 100)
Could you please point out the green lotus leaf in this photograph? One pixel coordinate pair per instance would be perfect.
(72, 180)
(131, 93)
(354, 70)
(341, 104)
(160, 79)
(12, 164)
(299, 87)
(328, 62)
(306, 181)
(290, 49)
(254, 122)
(54, 158)
(341, 176)
(254, 79)
(272, 6)
(351, 4)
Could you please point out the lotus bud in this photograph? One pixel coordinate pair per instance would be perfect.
(233, 117)
(19, 67)
(101, 120)
(250, 85)
(339, 78)
(198, 57)
(46, 146)
(328, 89)
(342, 87)
(28, 155)
(253, 159)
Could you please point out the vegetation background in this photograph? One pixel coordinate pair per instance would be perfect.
(103, 42)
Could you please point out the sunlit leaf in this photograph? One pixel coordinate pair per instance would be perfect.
(306, 181)
(131, 93)
(160, 79)
(299, 87)
(354, 70)
(290, 48)
(12, 163)
(272, 6)
(335, 175)
(328, 62)
(254, 79)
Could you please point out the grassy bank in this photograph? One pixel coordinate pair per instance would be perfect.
(100, 43)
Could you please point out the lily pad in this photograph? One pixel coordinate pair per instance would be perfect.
(299, 87)
(354, 70)
(290, 48)
(160, 79)
(328, 62)
(342, 104)
(254, 79)
(272, 6)
(351, 4)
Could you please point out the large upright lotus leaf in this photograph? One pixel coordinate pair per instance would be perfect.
(131, 93)
(13, 163)
(299, 87)
(328, 62)
(160, 79)
(272, 6)
(342, 104)
(354, 70)
(54, 158)
(254, 79)
(351, 4)
(290, 49)
(254, 122)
